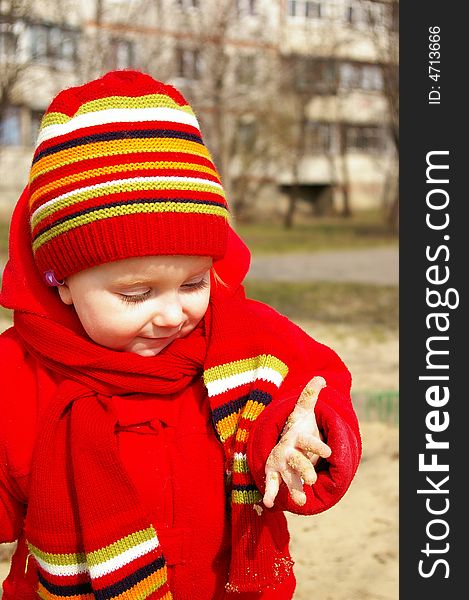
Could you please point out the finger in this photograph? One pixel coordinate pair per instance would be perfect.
(310, 443)
(295, 486)
(310, 393)
(313, 458)
(272, 486)
(302, 466)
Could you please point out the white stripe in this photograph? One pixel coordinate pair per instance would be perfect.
(128, 180)
(117, 115)
(239, 456)
(228, 383)
(103, 568)
(124, 558)
(62, 570)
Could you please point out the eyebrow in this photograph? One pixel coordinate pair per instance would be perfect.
(128, 282)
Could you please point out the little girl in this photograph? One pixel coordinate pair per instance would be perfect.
(155, 422)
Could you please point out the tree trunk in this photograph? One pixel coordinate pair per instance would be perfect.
(291, 208)
(393, 213)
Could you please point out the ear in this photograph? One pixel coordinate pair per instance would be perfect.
(65, 294)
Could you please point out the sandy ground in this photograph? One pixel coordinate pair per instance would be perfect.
(350, 552)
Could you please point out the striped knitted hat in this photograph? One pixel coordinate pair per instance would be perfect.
(120, 170)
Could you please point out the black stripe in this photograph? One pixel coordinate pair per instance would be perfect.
(118, 135)
(124, 203)
(234, 405)
(128, 582)
(228, 409)
(106, 593)
(250, 487)
(65, 590)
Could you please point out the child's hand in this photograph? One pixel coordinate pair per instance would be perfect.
(298, 449)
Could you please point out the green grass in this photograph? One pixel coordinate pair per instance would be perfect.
(364, 230)
(4, 228)
(351, 303)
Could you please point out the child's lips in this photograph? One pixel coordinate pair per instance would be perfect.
(160, 338)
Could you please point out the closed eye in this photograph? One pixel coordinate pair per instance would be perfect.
(135, 298)
(195, 286)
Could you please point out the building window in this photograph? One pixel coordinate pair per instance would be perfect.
(319, 138)
(188, 64)
(10, 126)
(349, 76)
(246, 69)
(185, 4)
(365, 138)
(246, 7)
(315, 76)
(362, 14)
(372, 78)
(121, 54)
(8, 41)
(361, 77)
(304, 8)
(54, 43)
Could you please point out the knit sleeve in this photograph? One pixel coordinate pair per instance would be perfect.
(335, 416)
(12, 482)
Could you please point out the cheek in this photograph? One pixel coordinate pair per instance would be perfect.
(106, 323)
(196, 306)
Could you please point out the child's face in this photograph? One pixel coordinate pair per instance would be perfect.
(141, 304)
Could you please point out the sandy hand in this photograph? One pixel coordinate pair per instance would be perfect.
(298, 450)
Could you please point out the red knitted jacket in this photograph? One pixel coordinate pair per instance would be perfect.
(255, 364)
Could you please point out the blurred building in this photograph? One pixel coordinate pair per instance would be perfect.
(296, 98)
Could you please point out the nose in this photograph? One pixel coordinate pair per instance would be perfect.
(169, 312)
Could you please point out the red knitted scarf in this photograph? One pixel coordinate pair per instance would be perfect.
(86, 529)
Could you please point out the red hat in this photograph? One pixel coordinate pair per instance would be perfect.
(120, 170)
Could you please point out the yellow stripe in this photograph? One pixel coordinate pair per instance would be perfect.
(58, 559)
(245, 497)
(127, 167)
(247, 364)
(116, 548)
(128, 209)
(148, 101)
(131, 186)
(116, 148)
(98, 556)
(240, 465)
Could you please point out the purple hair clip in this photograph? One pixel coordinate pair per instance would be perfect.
(51, 279)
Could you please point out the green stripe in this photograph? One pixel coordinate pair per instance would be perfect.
(245, 497)
(132, 186)
(98, 556)
(241, 366)
(116, 548)
(148, 101)
(128, 209)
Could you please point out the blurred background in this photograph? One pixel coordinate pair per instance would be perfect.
(298, 104)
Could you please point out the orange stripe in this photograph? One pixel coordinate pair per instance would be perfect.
(148, 585)
(117, 147)
(76, 177)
